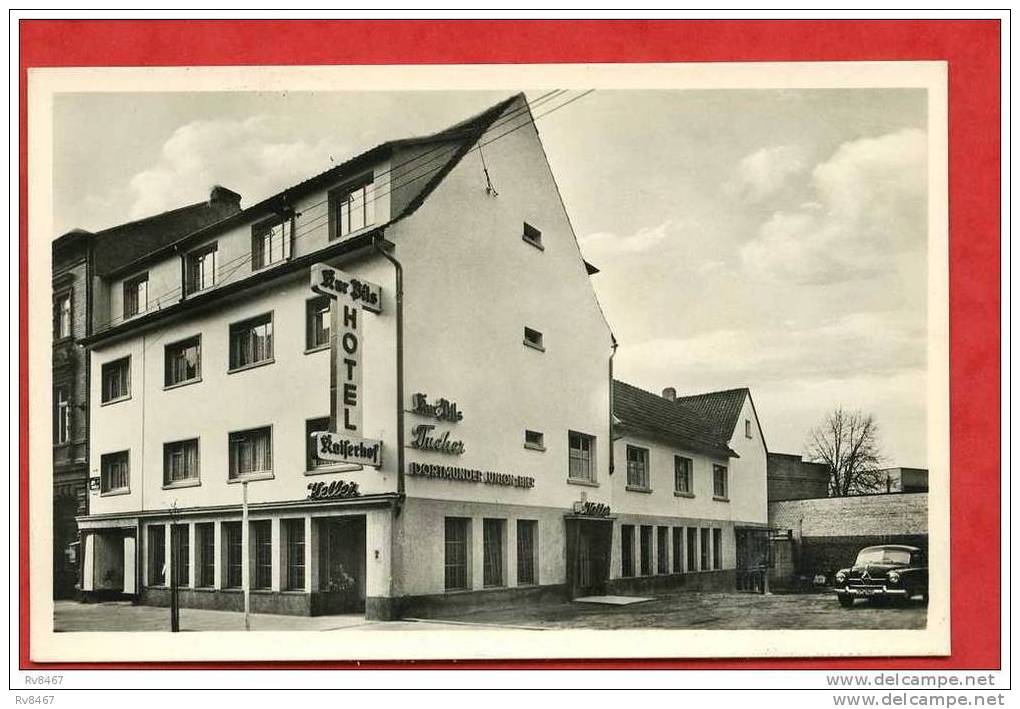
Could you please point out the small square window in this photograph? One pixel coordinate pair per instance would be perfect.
(532, 235)
(533, 338)
(535, 440)
(114, 472)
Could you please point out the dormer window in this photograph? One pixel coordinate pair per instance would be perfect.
(200, 269)
(533, 236)
(270, 242)
(351, 207)
(533, 338)
(136, 295)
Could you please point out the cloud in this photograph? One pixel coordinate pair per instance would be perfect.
(765, 173)
(868, 205)
(257, 157)
(607, 243)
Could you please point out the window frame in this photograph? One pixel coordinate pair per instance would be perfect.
(58, 314)
(494, 565)
(178, 532)
(527, 562)
(342, 193)
(691, 535)
(646, 545)
(310, 319)
(104, 371)
(747, 429)
(190, 269)
(236, 477)
(295, 574)
(62, 415)
(130, 285)
(205, 568)
(683, 469)
(628, 569)
(156, 576)
(537, 442)
(677, 540)
(462, 570)
(167, 384)
(638, 486)
(227, 542)
(261, 563)
(716, 469)
(260, 229)
(237, 328)
(532, 235)
(530, 339)
(592, 478)
(107, 459)
(705, 547)
(716, 548)
(191, 480)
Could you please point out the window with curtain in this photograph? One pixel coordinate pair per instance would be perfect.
(637, 467)
(251, 341)
(581, 456)
(682, 474)
(456, 559)
(116, 379)
(182, 361)
(493, 550)
(351, 207)
(200, 269)
(180, 461)
(527, 551)
(113, 472)
(251, 452)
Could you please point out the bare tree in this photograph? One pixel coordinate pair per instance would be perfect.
(847, 443)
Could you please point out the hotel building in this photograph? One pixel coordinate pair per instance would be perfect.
(432, 424)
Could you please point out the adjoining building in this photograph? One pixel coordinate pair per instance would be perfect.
(790, 477)
(452, 345)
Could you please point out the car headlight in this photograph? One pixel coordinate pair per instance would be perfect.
(840, 577)
(894, 577)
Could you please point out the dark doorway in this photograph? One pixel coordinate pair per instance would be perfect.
(752, 558)
(589, 545)
(341, 587)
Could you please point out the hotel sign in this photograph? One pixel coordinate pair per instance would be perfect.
(442, 410)
(340, 448)
(335, 283)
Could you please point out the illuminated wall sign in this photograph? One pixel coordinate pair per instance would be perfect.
(421, 440)
(467, 475)
(339, 448)
(442, 410)
(335, 283)
(333, 490)
(591, 509)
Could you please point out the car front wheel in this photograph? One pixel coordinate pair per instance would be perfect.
(845, 600)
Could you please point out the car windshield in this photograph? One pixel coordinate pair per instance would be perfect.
(883, 556)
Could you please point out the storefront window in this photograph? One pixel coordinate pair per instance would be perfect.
(704, 550)
(179, 538)
(261, 532)
(456, 562)
(232, 542)
(156, 543)
(294, 529)
(716, 548)
(205, 545)
(662, 550)
(627, 549)
(692, 548)
(646, 550)
(527, 548)
(678, 550)
(494, 543)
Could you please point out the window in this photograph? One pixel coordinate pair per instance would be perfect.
(627, 550)
(716, 548)
(719, 482)
(136, 295)
(251, 452)
(232, 552)
(116, 380)
(294, 532)
(179, 539)
(533, 338)
(113, 472)
(156, 543)
(351, 208)
(200, 269)
(312, 460)
(317, 320)
(262, 544)
(493, 545)
(251, 341)
(678, 550)
(532, 235)
(270, 242)
(527, 551)
(182, 361)
(582, 456)
(747, 427)
(692, 548)
(456, 562)
(62, 316)
(535, 440)
(180, 461)
(61, 415)
(637, 468)
(662, 550)
(682, 474)
(704, 549)
(205, 546)
(646, 550)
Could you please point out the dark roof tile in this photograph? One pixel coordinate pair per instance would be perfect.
(648, 413)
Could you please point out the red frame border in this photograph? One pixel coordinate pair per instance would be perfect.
(972, 50)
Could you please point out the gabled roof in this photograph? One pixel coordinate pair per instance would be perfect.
(466, 133)
(718, 410)
(644, 412)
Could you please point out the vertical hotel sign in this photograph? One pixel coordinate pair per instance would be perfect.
(349, 296)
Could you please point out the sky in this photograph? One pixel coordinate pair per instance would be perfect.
(774, 239)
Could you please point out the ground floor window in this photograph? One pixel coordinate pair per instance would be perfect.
(262, 542)
(716, 548)
(182, 553)
(456, 547)
(205, 545)
(527, 550)
(662, 550)
(692, 549)
(232, 554)
(493, 545)
(678, 550)
(156, 543)
(646, 550)
(627, 549)
(294, 532)
(704, 549)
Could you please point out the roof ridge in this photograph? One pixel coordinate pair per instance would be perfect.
(714, 391)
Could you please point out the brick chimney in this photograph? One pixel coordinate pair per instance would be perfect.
(669, 394)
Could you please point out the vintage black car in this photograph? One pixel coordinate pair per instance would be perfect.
(884, 572)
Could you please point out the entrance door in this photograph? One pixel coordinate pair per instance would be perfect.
(752, 558)
(341, 565)
(589, 544)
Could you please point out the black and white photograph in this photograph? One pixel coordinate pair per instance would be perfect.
(504, 355)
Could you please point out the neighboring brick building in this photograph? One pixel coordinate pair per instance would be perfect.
(904, 480)
(792, 478)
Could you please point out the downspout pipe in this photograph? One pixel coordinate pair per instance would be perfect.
(612, 439)
(381, 245)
